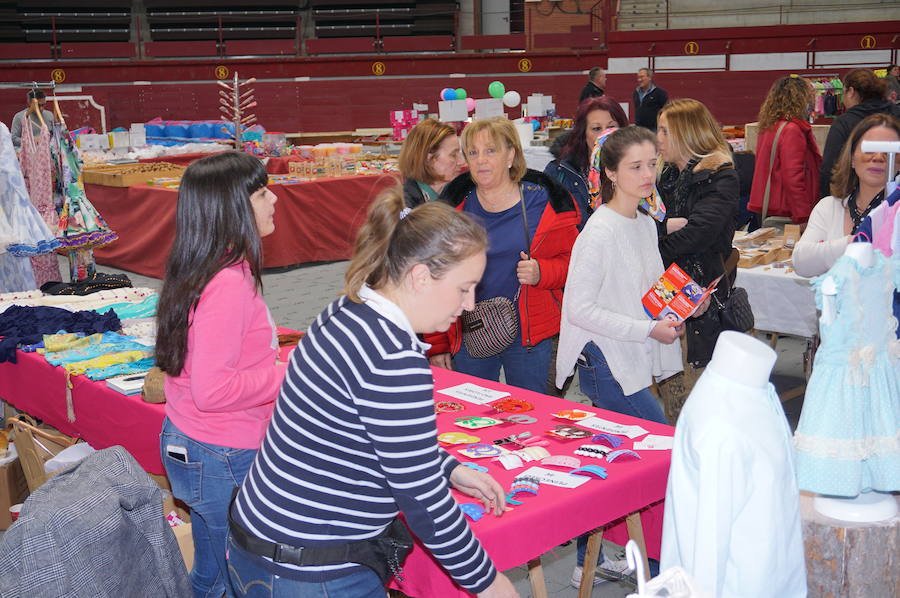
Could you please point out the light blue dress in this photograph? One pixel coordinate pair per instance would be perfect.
(848, 438)
(23, 232)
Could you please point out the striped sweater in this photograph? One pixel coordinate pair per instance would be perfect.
(352, 442)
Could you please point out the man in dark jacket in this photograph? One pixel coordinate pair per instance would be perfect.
(840, 131)
(595, 85)
(648, 100)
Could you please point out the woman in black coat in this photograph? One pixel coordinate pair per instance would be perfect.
(701, 190)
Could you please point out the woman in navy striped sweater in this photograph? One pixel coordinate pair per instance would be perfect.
(352, 441)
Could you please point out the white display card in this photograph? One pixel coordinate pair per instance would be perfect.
(555, 478)
(453, 110)
(535, 105)
(473, 393)
(488, 108)
(604, 425)
(655, 442)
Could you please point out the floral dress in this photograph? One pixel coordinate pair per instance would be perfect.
(36, 165)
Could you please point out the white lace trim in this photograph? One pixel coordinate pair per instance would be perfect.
(848, 450)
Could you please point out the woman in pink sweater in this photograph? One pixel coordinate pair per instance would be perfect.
(216, 342)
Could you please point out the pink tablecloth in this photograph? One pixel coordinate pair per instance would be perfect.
(555, 515)
(103, 417)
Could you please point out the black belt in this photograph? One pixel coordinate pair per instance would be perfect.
(295, 555)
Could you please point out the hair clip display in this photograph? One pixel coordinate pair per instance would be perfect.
(472, 510)
(532, 453)
(480, 450)
(476, 467)
(473, 423)
(447, 407)
(511, 501)
(520, 419)
(509, 461)
(510, 405)
(573, 414)
(457, 438)
(561, 461)
(592, 450)
(621, 454)
(513, 438)
(590, 471)
(607, 439)
(567, 432)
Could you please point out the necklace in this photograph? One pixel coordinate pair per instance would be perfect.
(855, 215)
(498, 202)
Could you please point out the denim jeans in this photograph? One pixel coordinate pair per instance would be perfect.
(203, 476)
(599, 385)
(250, 580)
(525, 367)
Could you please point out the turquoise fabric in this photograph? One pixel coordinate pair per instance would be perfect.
(121, 369)
(144, 309)
(848, 438)
(111, 342)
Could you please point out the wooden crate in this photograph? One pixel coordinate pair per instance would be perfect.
(127, 175)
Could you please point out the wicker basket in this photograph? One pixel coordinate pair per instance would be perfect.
(36, 446)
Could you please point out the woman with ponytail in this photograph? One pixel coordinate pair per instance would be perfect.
(216, 344)
(353, 440)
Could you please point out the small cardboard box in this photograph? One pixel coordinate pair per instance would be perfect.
(13, 488)
(185, 543)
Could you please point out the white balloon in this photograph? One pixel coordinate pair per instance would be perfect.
(511, 99)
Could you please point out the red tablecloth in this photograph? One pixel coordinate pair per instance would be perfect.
(555, 514)
(279, 164)
(103, 417)
(314, 222)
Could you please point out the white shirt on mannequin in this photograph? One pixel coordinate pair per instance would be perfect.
(732, 515)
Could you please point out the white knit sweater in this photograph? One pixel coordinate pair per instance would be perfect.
(823, 241)
(615, 261)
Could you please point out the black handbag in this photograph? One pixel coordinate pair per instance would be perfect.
(493, 324)
(735, 313)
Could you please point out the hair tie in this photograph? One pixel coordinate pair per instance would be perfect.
(404, 213)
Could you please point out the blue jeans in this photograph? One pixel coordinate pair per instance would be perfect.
(250, 580)
(525, 367)
(599, 385)
(203, 477)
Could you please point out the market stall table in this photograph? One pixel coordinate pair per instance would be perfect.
(182, 159)
(783, 302)
(630, 499)
(555, 514)
(315, 221)
(103, 417)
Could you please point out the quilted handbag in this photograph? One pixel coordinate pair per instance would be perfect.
(490, 327)
(736, 313)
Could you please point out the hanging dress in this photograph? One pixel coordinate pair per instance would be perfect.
(848, 438)
(23, 233)
(81, 227)
(36, 165)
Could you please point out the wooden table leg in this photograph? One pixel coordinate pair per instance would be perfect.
(536, 577)
(591, 555)
(636, 533)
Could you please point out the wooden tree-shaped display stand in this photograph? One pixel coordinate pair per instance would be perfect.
(236, 99)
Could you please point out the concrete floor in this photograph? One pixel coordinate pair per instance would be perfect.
(296, 296)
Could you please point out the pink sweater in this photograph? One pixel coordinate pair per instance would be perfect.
(229, 383)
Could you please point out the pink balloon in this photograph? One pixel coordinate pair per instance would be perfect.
(470, 104)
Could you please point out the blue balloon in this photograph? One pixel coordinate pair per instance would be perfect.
(448, 94)
(535, 125)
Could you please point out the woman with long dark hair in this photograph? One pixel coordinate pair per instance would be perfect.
(217, 345)
(570, 168)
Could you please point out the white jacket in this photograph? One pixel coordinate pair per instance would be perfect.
(823, 241)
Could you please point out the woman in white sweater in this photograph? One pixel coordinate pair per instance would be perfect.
(857, 187)
(615, 260)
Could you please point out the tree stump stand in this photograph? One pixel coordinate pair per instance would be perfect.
(850, 560)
